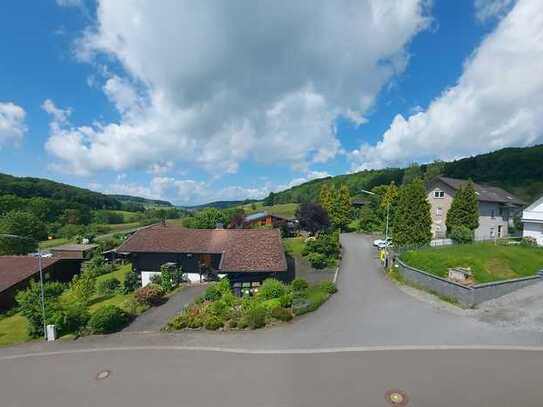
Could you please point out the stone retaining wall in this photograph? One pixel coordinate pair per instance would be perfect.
(464, 295)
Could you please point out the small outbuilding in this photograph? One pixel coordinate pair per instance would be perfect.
(75, 251)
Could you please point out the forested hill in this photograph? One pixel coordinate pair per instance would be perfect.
(518, 170)
(27, 187)
(147, 203)
(220, 204)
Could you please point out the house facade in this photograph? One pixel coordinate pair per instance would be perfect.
(246, 256)
(532, 220)
(496, 207)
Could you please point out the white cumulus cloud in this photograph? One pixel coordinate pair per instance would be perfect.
(213, 83)
(497, 102)
(12, 125)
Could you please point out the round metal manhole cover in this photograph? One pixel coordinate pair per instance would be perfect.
(103, 374)
(396, 398)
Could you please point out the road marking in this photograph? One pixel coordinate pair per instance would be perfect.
(277, 351)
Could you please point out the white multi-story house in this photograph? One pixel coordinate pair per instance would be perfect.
(532, 219)
(496, 207)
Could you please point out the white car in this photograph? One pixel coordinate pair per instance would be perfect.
(382, 243)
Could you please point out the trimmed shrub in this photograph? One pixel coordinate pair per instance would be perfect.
(156, 279)
(132, 307)
(71, 317)
(131, 282)
(256, 317)
(213, 322)
(108, 318)
(271, 288)
(270, 305)
(282, 314)
(212, 293)
(29, 304)
(461, 234)
(253, 314)
(151, 294)
(192, 316)
(108, 286)
(286, 299)
(328, 286)
(317, 260)
(299, 284)
(166, 278)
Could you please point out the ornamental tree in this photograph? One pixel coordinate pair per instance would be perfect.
(464, 210)
(412, 221)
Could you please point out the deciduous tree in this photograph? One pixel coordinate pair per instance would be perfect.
(312, 217)
(22, 224)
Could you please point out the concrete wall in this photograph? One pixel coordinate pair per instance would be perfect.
(466, 296)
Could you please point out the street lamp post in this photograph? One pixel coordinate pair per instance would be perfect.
(40, 267)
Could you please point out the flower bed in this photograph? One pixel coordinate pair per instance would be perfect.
(275, 302)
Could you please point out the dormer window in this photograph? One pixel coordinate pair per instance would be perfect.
(439, 194)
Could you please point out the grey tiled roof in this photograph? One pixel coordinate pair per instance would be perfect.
(485, 193)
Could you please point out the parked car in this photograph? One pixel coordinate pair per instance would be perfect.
(382, 243)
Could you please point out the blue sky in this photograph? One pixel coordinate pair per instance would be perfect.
(197, 103)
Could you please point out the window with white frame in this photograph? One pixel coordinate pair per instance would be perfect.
(439, 211)
(439, 194)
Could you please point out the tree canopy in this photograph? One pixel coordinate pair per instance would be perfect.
(464, 210)
(312, 217)
(412, 220)
(23, 224)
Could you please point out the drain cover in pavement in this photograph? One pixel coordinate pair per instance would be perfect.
(396, 398)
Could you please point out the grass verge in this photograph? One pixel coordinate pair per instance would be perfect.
(488, 262)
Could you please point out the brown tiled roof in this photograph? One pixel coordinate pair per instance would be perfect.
(241, 249)
(485, 193)
(14, 269)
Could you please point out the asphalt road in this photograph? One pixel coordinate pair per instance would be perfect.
(191, 378)
(349, 352)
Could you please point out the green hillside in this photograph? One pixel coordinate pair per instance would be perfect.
(518, 170)
(221, 204)
(139, 201)
(27, 187)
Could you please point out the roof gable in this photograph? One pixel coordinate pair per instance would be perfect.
(485, 193)
(536, 206)
(14, 269)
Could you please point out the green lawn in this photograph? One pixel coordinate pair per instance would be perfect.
(115, 299)
(13, 330)
(288, 209)
(47, 244)
(488, 262)
(294, 245)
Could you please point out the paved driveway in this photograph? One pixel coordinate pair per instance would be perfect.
(156, 317)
